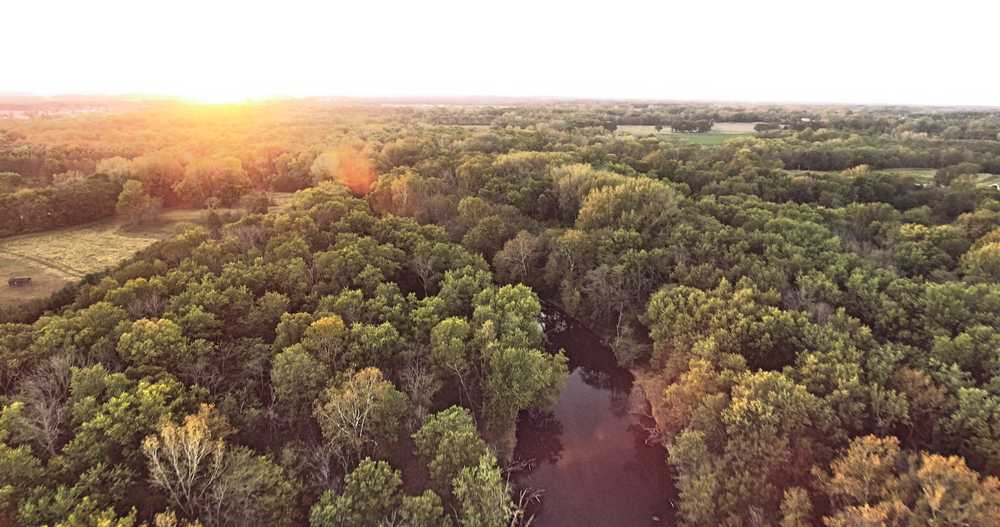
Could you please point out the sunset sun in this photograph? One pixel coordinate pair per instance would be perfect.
(218, 96)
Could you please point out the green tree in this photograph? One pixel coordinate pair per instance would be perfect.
(372, 496)
(136, 205)
(641, 204)
(518, 379)
(516, 373)
(291, 328)
(447, 443)
(19, 472)
(298, 378)
(374, 345)
(974, 428)
(514, 314)
(483, 495)
(326, 339)
(461, 286)
(156, 344)
(112, 415)
(451, 351)
(425, 510)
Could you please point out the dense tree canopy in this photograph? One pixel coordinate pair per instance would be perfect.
(817, 301)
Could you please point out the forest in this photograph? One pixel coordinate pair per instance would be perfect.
(811, 310)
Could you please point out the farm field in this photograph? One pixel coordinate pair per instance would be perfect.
(57, 257)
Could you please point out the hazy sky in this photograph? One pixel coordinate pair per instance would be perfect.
(943, 52)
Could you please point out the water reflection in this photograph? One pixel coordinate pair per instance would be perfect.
(546, 432)
(589, 453)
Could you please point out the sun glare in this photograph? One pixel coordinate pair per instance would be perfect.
(217, 98)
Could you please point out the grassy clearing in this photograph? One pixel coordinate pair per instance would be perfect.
(77, 251)
(924, 175)
(710, 138)
(55, 258)
(44, 280)
(734, 128)
(641, 129)
(721, 132)
(986, 180)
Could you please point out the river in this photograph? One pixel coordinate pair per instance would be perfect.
(589, 453)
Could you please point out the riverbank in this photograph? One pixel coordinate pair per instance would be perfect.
(650, 382)
(653, 385)
(589, 454)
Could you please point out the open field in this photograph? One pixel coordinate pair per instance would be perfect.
(55, 258)
(734, 128)
(988, 179)
(924, 175)
(710, 138)
(721, 132)
(77, 251)
(44, 280)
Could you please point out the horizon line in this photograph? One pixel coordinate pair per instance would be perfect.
(153, 96)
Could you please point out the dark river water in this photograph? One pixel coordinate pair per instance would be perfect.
(588, 452)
